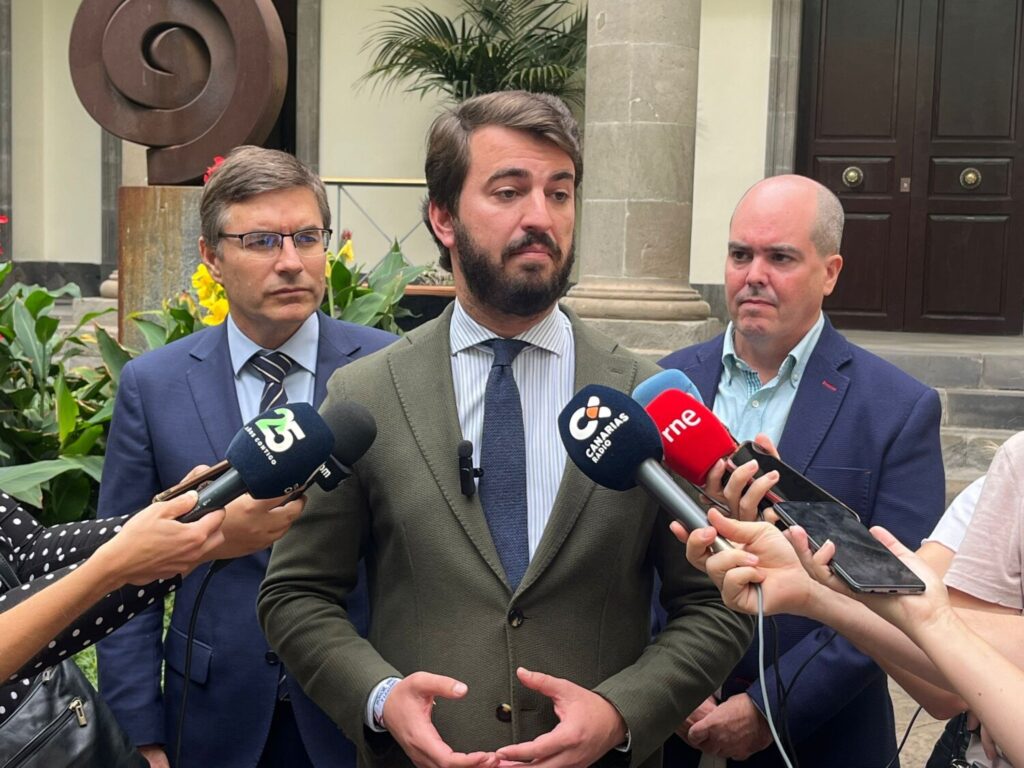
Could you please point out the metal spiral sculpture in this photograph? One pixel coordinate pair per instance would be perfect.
(188, 78)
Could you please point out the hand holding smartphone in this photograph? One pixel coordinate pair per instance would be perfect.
(863, 563)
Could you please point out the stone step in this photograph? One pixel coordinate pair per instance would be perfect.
(970, 450)
(950, 361)
(983, 408)
(960, 370)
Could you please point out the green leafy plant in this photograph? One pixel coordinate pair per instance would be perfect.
(176, 318)
(368, 299)
(54, 414)
(491, 45)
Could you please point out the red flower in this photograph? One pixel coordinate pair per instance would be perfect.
(210, 169)
(3, 219)
(346, 234)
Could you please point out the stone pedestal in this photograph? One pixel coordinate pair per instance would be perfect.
(158, 250)
(638, 159)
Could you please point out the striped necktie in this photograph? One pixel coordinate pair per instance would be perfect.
(272, 367)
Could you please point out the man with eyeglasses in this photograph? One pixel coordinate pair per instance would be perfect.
(265, 230)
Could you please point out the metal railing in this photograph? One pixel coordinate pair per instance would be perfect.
(341, 185)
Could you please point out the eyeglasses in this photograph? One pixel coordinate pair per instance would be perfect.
(308, 242)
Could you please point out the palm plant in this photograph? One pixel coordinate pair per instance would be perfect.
(490, 45)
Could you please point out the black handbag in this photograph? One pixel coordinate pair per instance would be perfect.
(62, 722)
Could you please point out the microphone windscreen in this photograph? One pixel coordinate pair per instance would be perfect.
(691, 435)
(608, 436)
(280, 449)
(354, 429)
(668, 379)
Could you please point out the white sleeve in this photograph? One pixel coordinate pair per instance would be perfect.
(950, 530)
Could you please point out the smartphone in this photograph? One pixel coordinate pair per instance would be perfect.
(861, 561)
(197, 483)
(792, 486)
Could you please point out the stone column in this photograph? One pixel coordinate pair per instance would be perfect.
(641, 108)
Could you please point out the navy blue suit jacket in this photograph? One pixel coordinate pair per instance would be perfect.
(177, 407)
(869, 434)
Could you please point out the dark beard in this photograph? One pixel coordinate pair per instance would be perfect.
(524, 295)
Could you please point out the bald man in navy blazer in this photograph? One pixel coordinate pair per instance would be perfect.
(854, 424)
(264, 239)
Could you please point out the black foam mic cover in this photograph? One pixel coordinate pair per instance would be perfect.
(272, 455)
(608, 435)
(613, 441)
(354, 431)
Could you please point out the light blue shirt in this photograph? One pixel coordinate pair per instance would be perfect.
(544, 373)
(299, 384)
(748, 407)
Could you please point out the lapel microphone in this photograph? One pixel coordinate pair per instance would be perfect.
(467, 472)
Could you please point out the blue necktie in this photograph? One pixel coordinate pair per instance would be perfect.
(273, 367)
(503, 460)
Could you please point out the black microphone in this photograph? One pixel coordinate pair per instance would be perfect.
(613, 441)
(467, 473)
(274, 454)
(354, 433)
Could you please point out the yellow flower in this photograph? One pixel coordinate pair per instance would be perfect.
(203, 282)
(346, 252)
(218, 310)
(211, 296)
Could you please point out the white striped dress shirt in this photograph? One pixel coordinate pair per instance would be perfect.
(544, 373)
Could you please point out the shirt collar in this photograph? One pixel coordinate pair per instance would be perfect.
(794, 364)
(552, 333)
(301, 347)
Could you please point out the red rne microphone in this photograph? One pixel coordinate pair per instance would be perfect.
(691, 435)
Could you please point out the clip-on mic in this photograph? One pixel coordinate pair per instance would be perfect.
(467, 472)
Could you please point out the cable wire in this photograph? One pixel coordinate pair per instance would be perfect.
(764, 688)
(188, 660)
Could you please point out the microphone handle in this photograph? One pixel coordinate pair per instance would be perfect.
(659, 483)
(228, 487)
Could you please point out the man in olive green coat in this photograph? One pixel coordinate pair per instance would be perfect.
(544, 658)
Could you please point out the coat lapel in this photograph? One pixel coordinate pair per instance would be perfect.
(707, 370)
(421, 369)
(817, 400)
(212, 383)
(335, 349)
(596, 363)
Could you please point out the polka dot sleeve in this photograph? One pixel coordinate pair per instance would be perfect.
(41, 556)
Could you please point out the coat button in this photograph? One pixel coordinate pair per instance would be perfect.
(516, 618)
(272, 658)
(504, 713)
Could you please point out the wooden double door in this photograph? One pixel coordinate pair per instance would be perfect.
(912, 112)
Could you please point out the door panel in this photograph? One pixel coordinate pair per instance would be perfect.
(862, 289)
(964, 252)
(857, 115)
(954, 288)
(911, 112)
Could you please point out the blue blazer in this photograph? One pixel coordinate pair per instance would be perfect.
(869, 434)
(177, 407)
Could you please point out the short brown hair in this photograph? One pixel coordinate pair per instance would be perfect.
(248, 171)
(545, 116)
